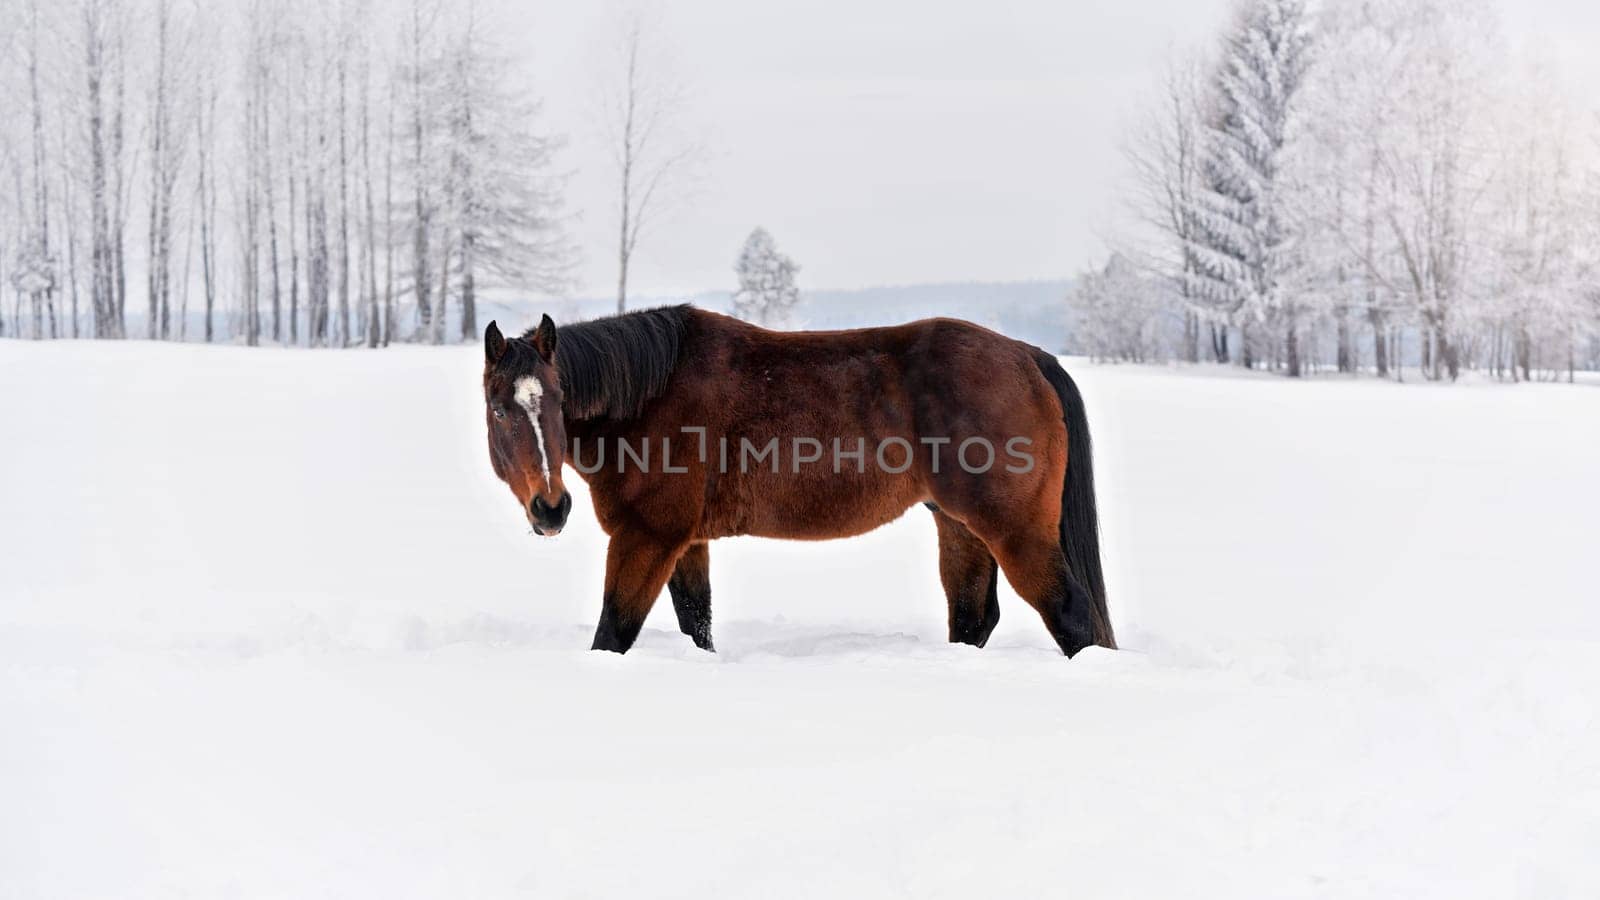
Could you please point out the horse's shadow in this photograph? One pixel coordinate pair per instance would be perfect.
(747, 640)
(738, 641)
(756, 641)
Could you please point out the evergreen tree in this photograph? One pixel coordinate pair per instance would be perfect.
(1242, 234)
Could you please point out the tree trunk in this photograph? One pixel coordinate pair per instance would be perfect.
(419, 250)
(102, 296)
(293, 176)
(622, 268)
(440, 314)
(1450, 355)
(1380, 341)
(69, 205)
(157, 164)
(388, 224)
(118, 211)
(207, 250)
(271, 202)
(344, 209)
(183, 291)
(1344, 360)
(1219, 343)
(371, 303)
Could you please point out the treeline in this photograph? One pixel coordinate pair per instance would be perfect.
(287, 171)
(1360, 186)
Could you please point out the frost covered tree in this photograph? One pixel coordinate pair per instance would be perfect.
(1546, 275)
(1340, 179)
(1419, 196)
(1243, 222)
(1396, 173)
(1422, 108)
(1123, 311)
(1438, 166)
(767, 293)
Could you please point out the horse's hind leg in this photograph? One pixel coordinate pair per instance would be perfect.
(970, 577)
(690, 586)
(1037, 569)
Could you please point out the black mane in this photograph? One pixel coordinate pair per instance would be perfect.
(612, 367)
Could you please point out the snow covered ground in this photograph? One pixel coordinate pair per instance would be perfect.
(270, 628)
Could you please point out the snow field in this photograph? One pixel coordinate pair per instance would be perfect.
(269, 627)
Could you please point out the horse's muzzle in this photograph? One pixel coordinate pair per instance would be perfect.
(548, 520)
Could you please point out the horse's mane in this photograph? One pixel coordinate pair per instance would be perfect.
(612, 367)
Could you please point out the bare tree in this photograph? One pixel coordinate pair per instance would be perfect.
(316, 152)
(205, 124)
(121, 178)
(502, 209)
(274, 43)
(101, 22)
(284, 141)
(419, 113)
(294, 76)
(1163, 154)
(373, 326)
(35, 273)
(342, 66)
(70, 221)
(165, 163)
(641, 110)
(388, 222)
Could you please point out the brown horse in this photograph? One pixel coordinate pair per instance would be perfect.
(690, 426)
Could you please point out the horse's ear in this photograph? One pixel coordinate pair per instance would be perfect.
(494, 344)
(544, 338)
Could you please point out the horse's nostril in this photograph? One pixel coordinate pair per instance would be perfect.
(551, 516)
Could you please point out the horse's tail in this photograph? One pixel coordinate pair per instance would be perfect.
(1080, 523)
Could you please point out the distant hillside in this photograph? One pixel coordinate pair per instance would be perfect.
(1034, 311)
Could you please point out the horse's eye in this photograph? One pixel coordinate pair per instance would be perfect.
(499, 412)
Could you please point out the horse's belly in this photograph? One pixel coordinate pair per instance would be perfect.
(827, 528)
(811, 512)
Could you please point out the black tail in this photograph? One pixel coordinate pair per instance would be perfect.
(1080, 523)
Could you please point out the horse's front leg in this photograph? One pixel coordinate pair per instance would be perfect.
(637, 568)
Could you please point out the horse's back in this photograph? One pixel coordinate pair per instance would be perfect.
(931, 386)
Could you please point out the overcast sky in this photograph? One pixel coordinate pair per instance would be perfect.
(895, 141)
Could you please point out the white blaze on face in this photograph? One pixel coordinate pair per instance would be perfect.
(530, 395)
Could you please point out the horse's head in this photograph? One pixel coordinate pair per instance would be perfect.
(527, 435)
